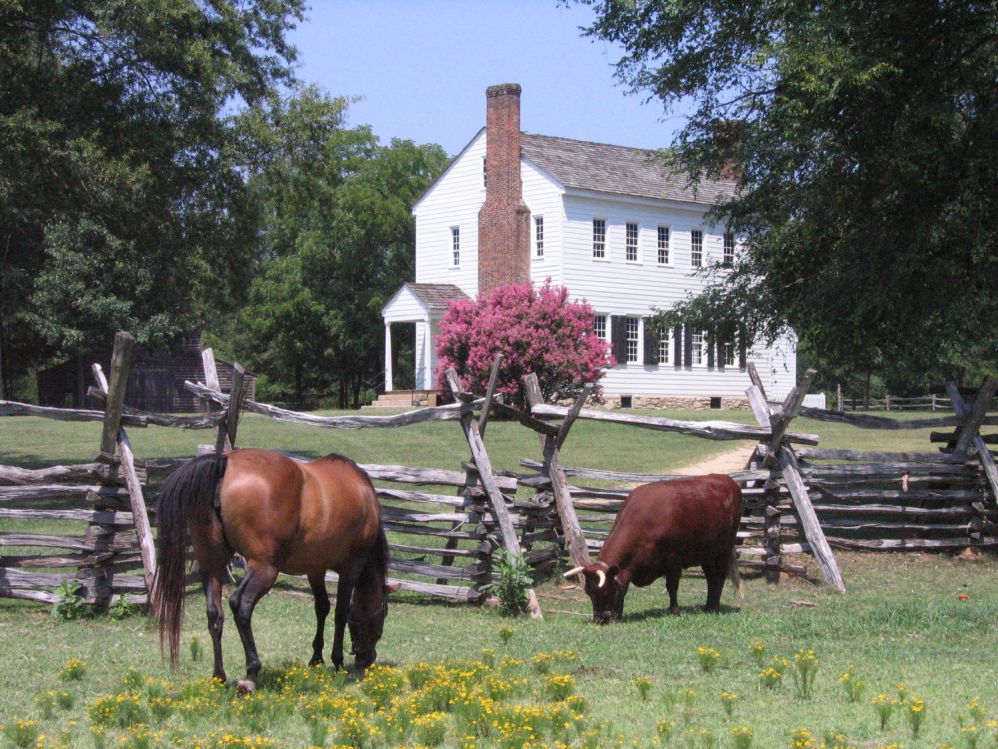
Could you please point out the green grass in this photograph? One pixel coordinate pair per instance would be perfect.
(901, 622)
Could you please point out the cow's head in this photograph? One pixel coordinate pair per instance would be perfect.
(604, 589)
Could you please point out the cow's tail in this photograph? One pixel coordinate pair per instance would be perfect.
(736, 578)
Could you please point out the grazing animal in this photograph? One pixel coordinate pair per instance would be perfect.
(661, 529)
(281, 515)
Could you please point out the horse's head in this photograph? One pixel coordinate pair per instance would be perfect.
(368, 612)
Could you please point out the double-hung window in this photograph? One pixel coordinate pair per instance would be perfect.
(729, 249)
(599, 326)
(663, 245)
(455, 245)
(665, 345)
(538, 236)
(699, 348)
(599, 238)
(633, 331)
(696, 248)
(729, 354)
(631, 242)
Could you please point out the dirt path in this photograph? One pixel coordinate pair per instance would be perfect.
(726, 462)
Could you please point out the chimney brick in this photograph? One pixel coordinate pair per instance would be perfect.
(504, 219)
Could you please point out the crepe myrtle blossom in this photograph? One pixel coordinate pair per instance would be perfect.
(536, 329)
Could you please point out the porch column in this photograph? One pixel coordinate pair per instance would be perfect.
(388, 357)
(428, 357)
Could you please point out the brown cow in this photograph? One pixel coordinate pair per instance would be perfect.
(661, 529)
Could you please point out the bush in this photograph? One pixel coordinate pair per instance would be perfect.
(513, 583)
(537, 330)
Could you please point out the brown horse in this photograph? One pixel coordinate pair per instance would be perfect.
(281, 515)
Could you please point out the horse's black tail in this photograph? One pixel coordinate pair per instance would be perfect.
(189, 492)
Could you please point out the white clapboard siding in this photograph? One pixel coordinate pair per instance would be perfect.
(612, 286)
(543, 197)
(454, 200)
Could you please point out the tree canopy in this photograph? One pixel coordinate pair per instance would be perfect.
(336, 240)
(119, 204)
(864, 135)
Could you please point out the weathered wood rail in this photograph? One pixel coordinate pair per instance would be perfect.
(102, 503)
(800, 498)
(445, 525)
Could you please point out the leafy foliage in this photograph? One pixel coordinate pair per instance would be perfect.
(536, 329)
(69, 604)
(336, 240)
(513, 583)
(864, 135)
(120, 206)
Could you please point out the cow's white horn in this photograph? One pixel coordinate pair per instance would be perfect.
(573, 572)
(602, 578)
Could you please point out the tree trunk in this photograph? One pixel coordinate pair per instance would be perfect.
(3, 361)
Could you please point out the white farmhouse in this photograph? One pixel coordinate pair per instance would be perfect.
(612, 225)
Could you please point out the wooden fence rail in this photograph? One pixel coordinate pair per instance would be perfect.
(445, 525)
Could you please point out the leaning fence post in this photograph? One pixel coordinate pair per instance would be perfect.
(211, 380)
(228, 434)
(968, 433)
(778, 452)
(498, 504)
(578, 549)
(115, 391)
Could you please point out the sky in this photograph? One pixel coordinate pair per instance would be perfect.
(421, 67)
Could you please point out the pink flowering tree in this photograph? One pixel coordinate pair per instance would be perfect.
(536, 329)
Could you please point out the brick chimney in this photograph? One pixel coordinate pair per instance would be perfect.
(504, 219)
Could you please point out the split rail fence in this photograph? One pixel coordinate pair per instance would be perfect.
(445, 525)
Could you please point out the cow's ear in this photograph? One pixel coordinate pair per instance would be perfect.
(612, 571)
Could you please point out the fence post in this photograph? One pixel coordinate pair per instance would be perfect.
(968, 433)
(485, 475)
(781, 454)
(211, 380)
(114, 434)
(228, 434)
(550, 447)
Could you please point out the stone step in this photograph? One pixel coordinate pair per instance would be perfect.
(405, 398)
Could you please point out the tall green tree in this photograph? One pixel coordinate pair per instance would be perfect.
(865, 138)
(118, 205)
(336, 240)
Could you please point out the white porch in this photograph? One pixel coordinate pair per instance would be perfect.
(422, 305)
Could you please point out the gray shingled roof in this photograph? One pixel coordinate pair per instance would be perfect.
(436, 296)
(617, 169)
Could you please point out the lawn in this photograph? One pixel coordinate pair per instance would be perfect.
(927, 622)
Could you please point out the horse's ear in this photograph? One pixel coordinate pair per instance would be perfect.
(393, 587)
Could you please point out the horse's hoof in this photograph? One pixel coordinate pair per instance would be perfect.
(315, 662)
(245, 686)
(673, 612)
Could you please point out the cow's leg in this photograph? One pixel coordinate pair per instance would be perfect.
(715, 572)
(318, 583)
(672, 576)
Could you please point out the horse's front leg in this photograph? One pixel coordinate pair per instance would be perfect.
(318, 582)
(258, 580)
(344, 591)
